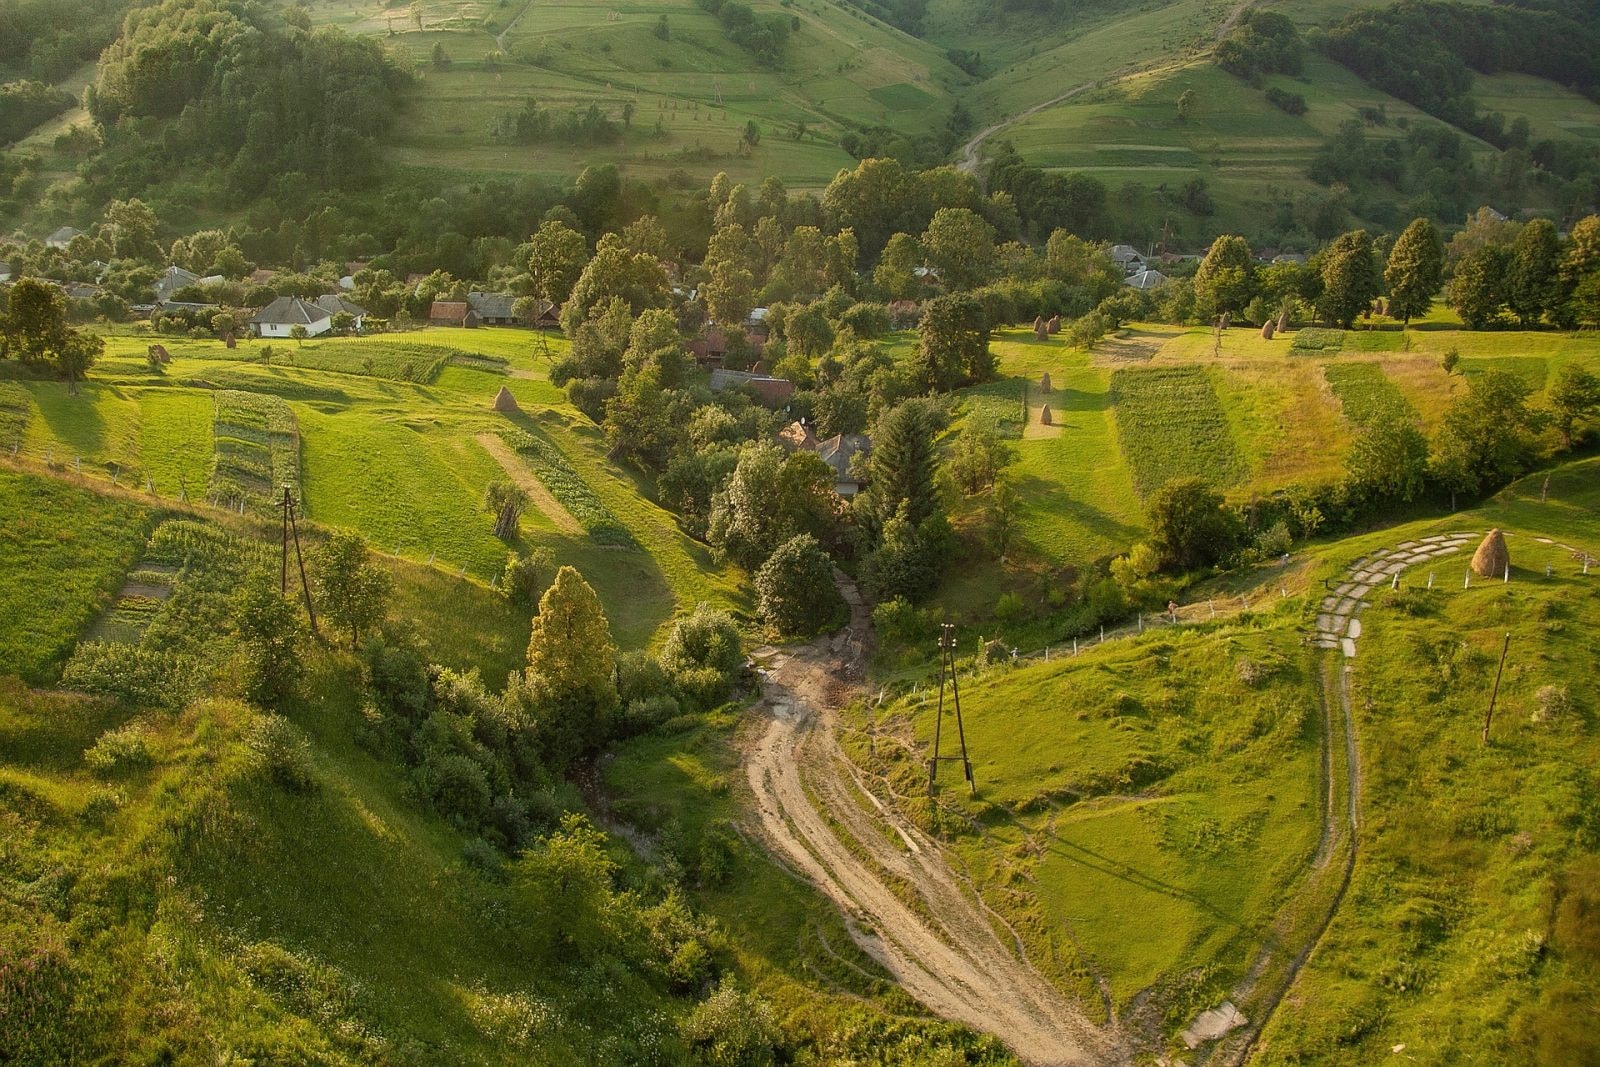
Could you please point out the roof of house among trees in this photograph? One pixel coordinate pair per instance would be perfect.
(289, 311)
(491, 305)
(333, 303)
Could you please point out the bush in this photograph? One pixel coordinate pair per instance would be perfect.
(1554, 703)
(119, 750)
(645, 714)
(703, 655)
(282, 752)
(454, 784)
(897, 620)
(867, 320)
(146, 677)
(527, 576)
(731, 1028)
(1292, 103)
(484, 858)
(1276, 539)
(796, 590)
(1009, 607)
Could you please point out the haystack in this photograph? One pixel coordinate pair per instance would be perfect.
(1492, 557)
(1054, 325)
(1044, 416)
(1044, 382)
(1040, 332)
(504, 401)
(1268, 328)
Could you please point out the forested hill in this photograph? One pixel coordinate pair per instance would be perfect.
(191, 83)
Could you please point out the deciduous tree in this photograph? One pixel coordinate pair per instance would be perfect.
(1189, 527)
(572, 667)
(1350, 280)
(351, 590)
(1415, 270)
(795, 589)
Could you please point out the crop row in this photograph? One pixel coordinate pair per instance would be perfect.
(1171, 425)
(1366, 394)
(568, 487)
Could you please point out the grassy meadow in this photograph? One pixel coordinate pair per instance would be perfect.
(1147, 809)
(380, 434)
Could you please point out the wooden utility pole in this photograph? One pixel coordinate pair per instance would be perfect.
(291, 528)
(947, 666)
(1488, 717)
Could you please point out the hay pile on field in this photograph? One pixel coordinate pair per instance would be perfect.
(1492, 557)
(504, 401)
(1045, 418)
(1044, 382)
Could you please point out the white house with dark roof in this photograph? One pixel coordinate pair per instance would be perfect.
(279, 318)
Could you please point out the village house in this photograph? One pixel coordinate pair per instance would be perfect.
(261, 276)
(493, 309)
(333, 304)
(546, 315)
(62, 237)
(771, 391)
(5, 271)
(1146, 279)
(453, 313)
(174, 279)
(279, 318)
(836, 451)
(1129, 258)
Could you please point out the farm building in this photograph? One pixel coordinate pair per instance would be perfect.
(333, 304)
(836, 452)
(1129, 258)
(797, 436)
(453, 313)
(279, 318)
(547, 316)
(174, 279)
(1146, 279)
(62, 237)
(5, 271)
(771, 391)
(493, 309)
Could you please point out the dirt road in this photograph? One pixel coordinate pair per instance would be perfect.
(817, 816)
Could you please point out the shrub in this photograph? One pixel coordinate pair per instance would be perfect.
(1283, 100)
(731, 1028)
(796, 590)
(484, 858)
(454, 784)
(645, 714)
(146, 677)
(1276, 539)
(1554, 703)
(527, 575)
(1008, 607)
(703, 655)
(282, 752)
(897, 620)
(118, 750)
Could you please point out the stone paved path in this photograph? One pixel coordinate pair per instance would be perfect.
(1338, 625)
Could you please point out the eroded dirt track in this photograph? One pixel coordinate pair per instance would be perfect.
(817, 816)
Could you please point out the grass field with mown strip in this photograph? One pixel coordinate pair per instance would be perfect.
(176, 440)
(65, 551)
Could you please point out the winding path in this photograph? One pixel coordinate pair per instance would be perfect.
(1337, 628)
(969, 151)
(943, 946)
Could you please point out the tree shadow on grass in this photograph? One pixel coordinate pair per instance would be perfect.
(74, 421)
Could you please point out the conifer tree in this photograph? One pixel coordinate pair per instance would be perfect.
(572, 666)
